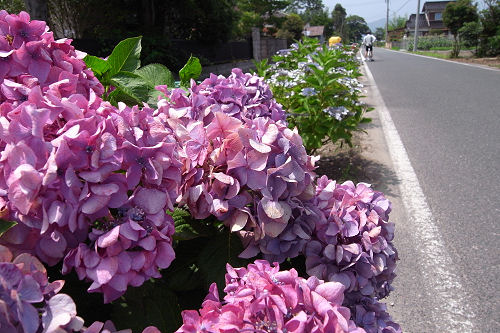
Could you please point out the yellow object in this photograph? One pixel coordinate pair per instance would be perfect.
(334, 40)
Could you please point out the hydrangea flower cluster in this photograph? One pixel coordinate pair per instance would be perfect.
(353, 244)
(79, 174)
(30, 304)
(90, 183)
(261, 298)
(240, 95)
(249, 172)
(32, 59)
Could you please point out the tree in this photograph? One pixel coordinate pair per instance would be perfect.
(37, 9)
(263, 7)
(256, 13)
(292, 28)
(356, 27)
(397, 22)
(470, 33)
(338, 20)
(380, 33)
(12, 6)
(299, 6)
(489, 39)
(455, 15)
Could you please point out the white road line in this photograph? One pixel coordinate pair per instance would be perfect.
(449, 61)
(454, 313)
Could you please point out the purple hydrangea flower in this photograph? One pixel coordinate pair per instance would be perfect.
(352, 245)
(261, 298)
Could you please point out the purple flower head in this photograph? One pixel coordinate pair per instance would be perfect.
(27, 48)
(352, 244)
(22, 29)
(262, 298)
(25, 292)
(240, 95)
(129, 246)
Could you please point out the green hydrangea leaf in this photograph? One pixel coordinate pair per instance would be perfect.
(156, 74)
(132, 88)
(183, 274)
(222, 249)
(191, 70)
(186, 227)
(5, 226)
(150, 304)
(97, 65)
(125, 56)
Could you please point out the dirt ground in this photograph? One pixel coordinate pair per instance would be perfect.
(468, 57)
(492, 62)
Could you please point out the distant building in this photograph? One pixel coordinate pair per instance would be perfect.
(430, 21)
(316, 31)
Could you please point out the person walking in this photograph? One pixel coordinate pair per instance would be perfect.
(368, 41)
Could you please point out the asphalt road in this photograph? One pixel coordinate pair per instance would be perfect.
(448, 118)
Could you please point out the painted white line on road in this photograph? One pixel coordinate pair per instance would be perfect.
(448, 61)
(453, 313)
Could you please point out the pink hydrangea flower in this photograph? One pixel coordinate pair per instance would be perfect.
(261, 298)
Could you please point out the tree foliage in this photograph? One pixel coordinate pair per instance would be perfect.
(396, 22)
(489, 39)
(299, 6)
(380, 33)
(291, 28)
(356, 27)
(12, 6)
(339, 15)
(455, 15)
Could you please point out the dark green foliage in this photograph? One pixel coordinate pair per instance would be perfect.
(149, 304)
(191, 70)
(126, 82)
(455, 15)
(339, 15)
(292, 28)
(470, 33)
(207, 21)
(5, 226)
(12, 6)
(356, 27)
(380, 33)
(307, 113)
(489, 39)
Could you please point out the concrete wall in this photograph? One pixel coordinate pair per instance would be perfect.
(265, 47)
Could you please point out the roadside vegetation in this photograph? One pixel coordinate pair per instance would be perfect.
(130, 199)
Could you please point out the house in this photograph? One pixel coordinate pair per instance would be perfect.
(315, 31)
(430, 21)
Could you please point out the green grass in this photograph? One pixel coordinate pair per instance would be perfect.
(433, 54)
(448, 48)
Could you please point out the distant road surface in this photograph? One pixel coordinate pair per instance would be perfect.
(448, 118)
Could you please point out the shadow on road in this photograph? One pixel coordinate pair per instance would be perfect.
(349, 164)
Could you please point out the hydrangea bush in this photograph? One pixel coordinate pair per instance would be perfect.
(318, 87)
(165, 195)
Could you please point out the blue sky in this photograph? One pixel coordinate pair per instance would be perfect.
(372, 10)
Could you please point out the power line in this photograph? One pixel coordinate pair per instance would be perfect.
(401, 7)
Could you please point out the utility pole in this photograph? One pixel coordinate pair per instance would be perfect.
(387, 22)
(415, 40)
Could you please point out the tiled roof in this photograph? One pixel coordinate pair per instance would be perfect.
(316, 30)
(422, 22)
(435, 6)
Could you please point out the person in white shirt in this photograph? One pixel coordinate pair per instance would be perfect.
(368, 41)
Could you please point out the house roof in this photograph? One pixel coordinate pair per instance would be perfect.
(316, 30)
(422, 22)
(435, 6)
